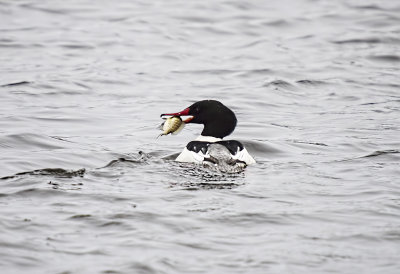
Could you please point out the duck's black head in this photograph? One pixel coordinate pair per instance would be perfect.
(219, 121)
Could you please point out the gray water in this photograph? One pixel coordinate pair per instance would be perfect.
(87, 188)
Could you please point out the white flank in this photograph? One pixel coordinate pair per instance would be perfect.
(190, 156)
(244, 156)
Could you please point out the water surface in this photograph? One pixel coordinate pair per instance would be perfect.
(87, 187)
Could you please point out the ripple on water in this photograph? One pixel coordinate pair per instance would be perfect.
(21, 83)
(387, 152)
(262, 149)
(279, 84)
(195, 177)
(368, 40)
(385, 58)
(56, 172)
(30, 140)
(308, 82)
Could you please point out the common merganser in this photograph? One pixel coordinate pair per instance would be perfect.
(209, 148)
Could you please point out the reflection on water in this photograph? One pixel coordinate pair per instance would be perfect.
(87, 187)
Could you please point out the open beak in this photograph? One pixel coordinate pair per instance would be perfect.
(184, 112)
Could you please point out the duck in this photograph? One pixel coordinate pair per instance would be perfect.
(210, 148)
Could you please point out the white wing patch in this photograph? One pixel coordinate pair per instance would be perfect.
(190, 156)
(244, 156)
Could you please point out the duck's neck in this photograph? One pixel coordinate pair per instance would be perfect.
(220, 128)
(210, 139)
